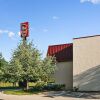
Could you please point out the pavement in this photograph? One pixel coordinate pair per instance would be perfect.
(61, 95)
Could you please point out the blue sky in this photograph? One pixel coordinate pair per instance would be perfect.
(51, 22)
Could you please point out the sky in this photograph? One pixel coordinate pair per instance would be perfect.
(51, 22)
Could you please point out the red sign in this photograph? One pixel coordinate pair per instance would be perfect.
(25, 29)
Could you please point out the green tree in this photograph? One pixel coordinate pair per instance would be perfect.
(48, 68)
(1, 63)
(26, 64)
(3, 66)
(12, 73)
(25, 60)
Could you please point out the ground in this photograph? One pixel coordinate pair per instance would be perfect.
(61, 95)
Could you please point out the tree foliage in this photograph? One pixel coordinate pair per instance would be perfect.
(48, 68)
(3, 67)
(26, 64)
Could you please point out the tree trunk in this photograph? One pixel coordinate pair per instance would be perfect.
(20, 83)
(14, 84)
(24, 85)
(27, 86)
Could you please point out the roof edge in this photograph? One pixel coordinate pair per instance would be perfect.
(86, 37)
(60, 44)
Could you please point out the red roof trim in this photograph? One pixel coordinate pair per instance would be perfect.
(62, 52)
(86, 37)
(61, 44)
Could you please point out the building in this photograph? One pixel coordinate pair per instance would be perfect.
(64, 58)
(86, 63)
(78, 63)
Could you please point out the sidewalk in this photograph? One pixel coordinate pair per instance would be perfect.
(49, 96)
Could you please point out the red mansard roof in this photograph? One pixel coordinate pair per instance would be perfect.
(62, 52)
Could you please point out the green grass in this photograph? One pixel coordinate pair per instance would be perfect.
(9, 89)
(20, 92)
(7, 84)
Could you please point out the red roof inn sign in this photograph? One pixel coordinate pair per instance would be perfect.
(24, 30)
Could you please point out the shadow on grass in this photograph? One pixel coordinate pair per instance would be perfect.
(9, 88)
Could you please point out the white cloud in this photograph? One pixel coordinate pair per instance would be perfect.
(3, 31)
(11, 34)
(91, 1)
(55, 17)
(45, 30)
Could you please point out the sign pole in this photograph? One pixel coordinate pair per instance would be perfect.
(24, 34)
(24, 41)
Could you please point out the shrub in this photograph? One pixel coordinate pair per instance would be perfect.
(54, 87)
(41, 86)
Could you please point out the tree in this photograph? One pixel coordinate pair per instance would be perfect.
(26, 64)
(0, 63)
(13, 71)
(3, 66)
(48, 68)
(25, 60)
(3, 62)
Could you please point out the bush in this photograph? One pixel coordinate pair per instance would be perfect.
(42, 86)
(54, 87)
(39, 86)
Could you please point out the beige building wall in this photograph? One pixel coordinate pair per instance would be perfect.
(86, 63)
(64, 74)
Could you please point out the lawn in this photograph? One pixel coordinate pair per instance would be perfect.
(34, 88)
(7, 84)
(20, 92)
(8, 88)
